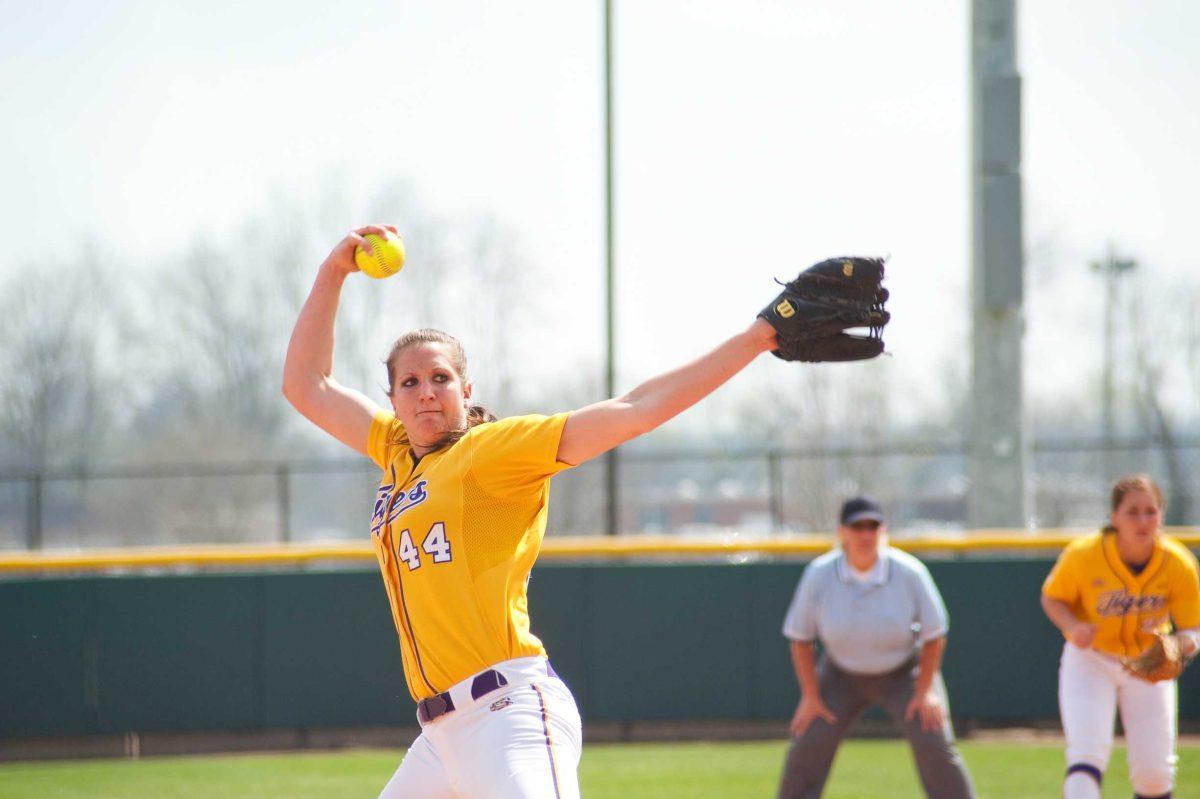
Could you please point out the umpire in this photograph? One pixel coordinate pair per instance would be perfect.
(882, 627)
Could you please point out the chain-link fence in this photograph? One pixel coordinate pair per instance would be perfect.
(756, 492)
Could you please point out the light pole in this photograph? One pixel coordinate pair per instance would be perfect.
(1110, 269)
(611, 473)
(999, 448)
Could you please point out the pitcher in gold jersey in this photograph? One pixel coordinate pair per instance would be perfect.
(458, 521)
(1109, 593)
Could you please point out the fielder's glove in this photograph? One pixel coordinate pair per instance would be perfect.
(1159, 661)
(814, 311)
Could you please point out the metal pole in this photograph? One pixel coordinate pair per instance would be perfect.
(283, 486)
(775, 487)
(1110, 269)
(33, 524)
(1110, 301)
(611, 472)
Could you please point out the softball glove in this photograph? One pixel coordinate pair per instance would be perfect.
(814, 311)
(1159, 661)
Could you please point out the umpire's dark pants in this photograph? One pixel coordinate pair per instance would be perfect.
(943, 773)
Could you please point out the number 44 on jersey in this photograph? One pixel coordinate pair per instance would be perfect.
(435, 545)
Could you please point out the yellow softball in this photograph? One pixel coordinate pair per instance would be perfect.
(388, 258)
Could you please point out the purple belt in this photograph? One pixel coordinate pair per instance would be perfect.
(483, 684)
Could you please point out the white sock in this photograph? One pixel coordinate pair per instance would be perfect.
(1080, 785)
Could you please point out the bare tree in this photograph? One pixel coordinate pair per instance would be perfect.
(499, 312)
(216, 322)
(54, 406)
(1160, 342)
(214, 328)
(187, 367)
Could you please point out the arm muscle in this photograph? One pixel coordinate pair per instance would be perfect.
(308, 383)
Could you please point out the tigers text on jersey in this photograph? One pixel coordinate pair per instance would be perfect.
(1126, 608)
(456, 534)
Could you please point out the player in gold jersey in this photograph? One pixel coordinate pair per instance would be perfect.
(458, 522)
(1109, 593)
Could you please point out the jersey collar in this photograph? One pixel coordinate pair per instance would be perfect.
(418, 465)
(877, 576)
(1109, 543)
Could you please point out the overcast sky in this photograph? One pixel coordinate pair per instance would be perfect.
(754, 137)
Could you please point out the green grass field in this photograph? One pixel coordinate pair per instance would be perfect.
(864, 770)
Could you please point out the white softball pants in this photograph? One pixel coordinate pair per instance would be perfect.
(521, 741)
(1091, 687)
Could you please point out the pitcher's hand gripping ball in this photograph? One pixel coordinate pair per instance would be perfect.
(814, 311)
(1160, 661)
(387, 259)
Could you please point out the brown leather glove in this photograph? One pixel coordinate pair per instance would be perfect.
(1159, 661)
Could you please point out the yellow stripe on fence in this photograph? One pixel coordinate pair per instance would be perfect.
(164, 557)
(554, 548)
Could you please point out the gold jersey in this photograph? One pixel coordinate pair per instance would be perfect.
(456, 534)
(1126, 608)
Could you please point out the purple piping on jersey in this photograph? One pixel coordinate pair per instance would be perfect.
(1166, 795)
(1116, 573)
(1146, 580)
(412, 632)
(549, 743)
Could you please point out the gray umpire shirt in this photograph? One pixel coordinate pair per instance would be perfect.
(871, 625)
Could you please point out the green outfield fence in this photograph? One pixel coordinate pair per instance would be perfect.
(270, 649)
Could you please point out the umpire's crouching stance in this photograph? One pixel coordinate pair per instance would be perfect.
(882, 626)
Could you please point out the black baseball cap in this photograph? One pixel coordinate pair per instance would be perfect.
(861, 509)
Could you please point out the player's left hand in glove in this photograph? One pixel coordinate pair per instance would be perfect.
(1160, 661)
(814, 311)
